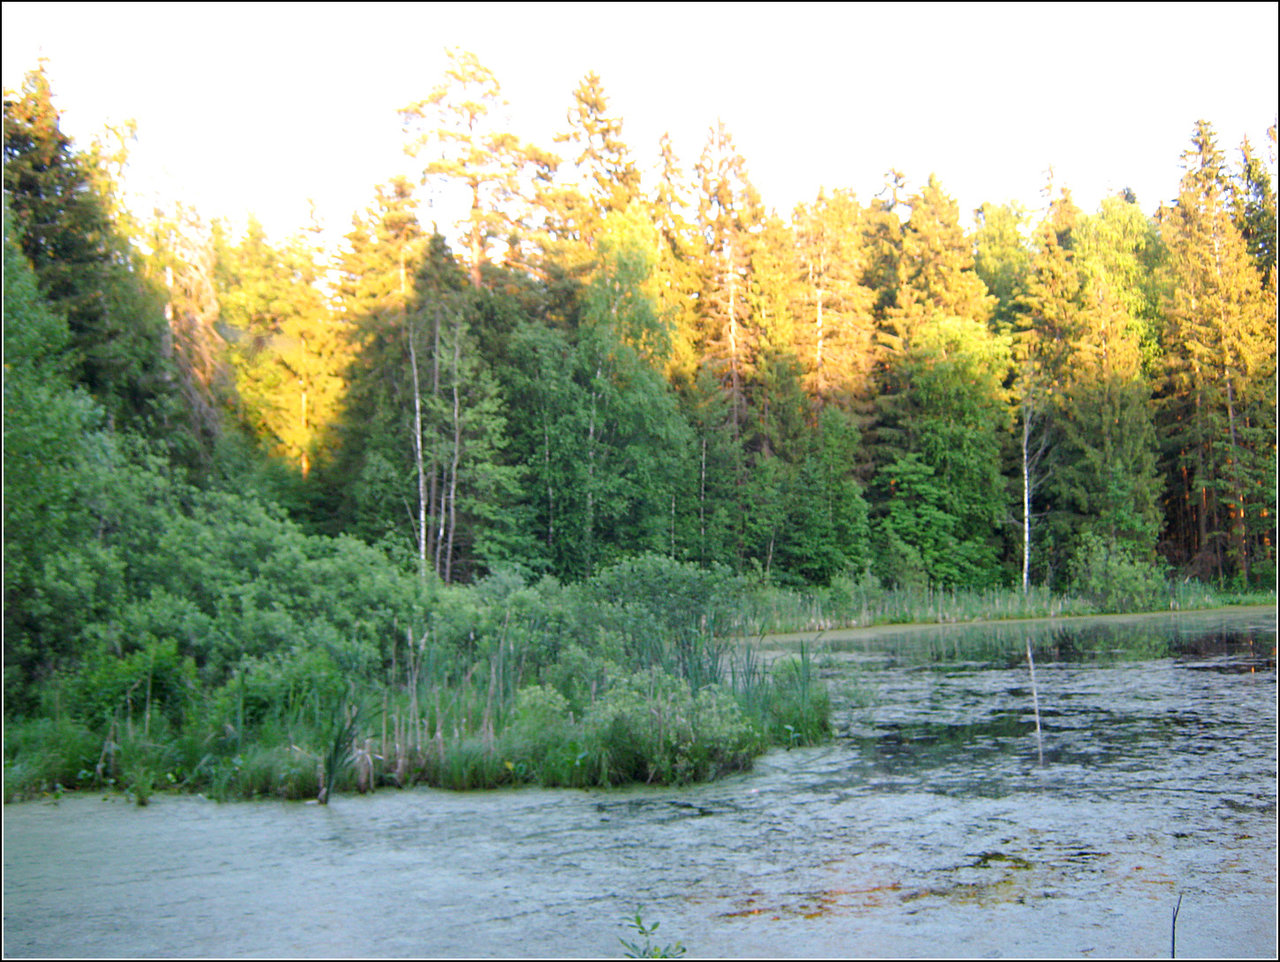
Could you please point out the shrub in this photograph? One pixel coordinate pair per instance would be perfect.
(541, 745)
(651, 727)
(154, 680)
(1112, 578)
(45, 755)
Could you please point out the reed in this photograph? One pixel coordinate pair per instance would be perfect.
(340, 751)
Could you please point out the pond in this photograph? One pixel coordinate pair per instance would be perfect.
(934, 824)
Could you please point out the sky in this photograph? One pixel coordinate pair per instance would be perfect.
(262, 107)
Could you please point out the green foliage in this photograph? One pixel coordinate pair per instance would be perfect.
(921, 541)
(543, 744)
(827, 530)
(647, 949)
(1114, 579)
(800, 706)
(1104, 478)
(669, 613)
(1002, 258)
(87, 270)
(787, 703)
(53, 455)
(651, 727)
(45, 755)
(152, 679)
(602, 437)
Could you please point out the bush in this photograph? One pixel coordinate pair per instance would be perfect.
(1113, 579)
(542, 743)
(155, 680)
(45, 755)
(651, 727)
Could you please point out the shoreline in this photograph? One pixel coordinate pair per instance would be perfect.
(887, 629)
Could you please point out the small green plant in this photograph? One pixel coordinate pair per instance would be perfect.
(647, 949)
(338, 758)
(141, 785)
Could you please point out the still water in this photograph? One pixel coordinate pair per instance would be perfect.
(928, 827)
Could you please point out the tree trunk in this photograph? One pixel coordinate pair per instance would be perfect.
(417, 426)
(456, 455)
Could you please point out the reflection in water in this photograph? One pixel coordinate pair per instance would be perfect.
(925, 828)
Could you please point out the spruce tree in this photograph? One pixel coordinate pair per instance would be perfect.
(286, 347)
(1220, 388)
(679, 253)
(1254, 209)
(87, 270)
(457, 128)
(729, 211)
(943, 409)
(600, 434)
(835, 325)
(1082, 382)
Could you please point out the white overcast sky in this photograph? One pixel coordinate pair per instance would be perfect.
(258, 107)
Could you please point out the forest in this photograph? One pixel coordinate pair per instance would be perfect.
(280, 519)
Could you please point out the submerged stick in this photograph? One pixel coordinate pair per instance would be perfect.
(1035, 700)
(1173, 930)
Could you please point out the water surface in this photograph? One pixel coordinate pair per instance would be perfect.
(927, 827)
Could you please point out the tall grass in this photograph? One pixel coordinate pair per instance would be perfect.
(847, 604)
(786, 701)
(766, 609)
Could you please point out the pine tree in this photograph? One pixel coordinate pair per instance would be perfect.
(605, 179)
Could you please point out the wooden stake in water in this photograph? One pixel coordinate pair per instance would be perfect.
(1173, 930)
(1035, 700)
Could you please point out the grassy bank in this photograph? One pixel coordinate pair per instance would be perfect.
(625, 678)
